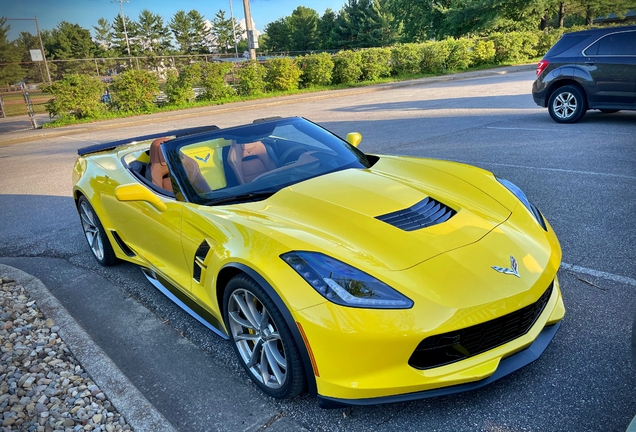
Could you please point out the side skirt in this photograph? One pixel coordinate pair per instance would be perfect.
(179, 298)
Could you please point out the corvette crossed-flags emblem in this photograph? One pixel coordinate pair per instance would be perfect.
(513, 270)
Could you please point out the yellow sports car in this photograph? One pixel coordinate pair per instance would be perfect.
(361, 278)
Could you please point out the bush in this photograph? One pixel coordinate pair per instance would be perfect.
(251, 78)
(406, 59)
(376, 63)
(434, 56)
(75, 95)
(317, 69)
(483, 52)
(135, 91)
(213, 80)
(347, 67)
(179, 86)
(283, 74)
(547, 39)
(514, 46)
(459, 53)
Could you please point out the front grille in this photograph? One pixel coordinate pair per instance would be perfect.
(425, 213)
(439, 350)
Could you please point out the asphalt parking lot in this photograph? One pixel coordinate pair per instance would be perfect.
(581, 176)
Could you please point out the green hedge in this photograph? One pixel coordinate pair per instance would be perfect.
(283, 74)
(317, 69)
(76, 95)
(79, 95)
(347, 67)
(213, 80)
(251, 78)
(376, 63)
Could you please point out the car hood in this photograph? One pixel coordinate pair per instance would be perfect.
(337, 214)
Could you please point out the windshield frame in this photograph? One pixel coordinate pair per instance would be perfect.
(185, 191)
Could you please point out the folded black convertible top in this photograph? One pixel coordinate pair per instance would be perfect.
(177, 133)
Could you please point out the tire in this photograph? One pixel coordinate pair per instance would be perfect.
(608, 111)
(95, 234)
(567, 105)
(246, 308)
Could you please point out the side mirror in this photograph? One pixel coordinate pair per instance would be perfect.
(354, 138)
(137, 192)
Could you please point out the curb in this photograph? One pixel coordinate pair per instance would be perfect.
(137, 410)
(33, 135)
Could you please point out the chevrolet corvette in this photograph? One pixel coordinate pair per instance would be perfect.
(360, 278)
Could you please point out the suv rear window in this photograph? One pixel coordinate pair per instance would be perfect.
(565, 43)
(615, 44)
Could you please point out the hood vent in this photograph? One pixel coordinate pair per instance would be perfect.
(425, 213)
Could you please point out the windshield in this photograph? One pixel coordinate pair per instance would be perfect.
(252, 162)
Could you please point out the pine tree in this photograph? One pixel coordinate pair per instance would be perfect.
(9, 53)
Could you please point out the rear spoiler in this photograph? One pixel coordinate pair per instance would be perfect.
(177, 133)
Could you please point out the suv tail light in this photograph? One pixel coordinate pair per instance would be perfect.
(541, 66)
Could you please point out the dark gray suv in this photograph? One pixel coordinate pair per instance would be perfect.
(591, 69)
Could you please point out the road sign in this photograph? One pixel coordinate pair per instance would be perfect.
(36, 55)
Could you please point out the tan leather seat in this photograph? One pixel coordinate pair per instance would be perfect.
(161, 175)
(250, 160)
(158, 167)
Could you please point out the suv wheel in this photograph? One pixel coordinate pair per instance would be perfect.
(567, 105)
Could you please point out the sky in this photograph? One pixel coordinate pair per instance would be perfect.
(86, 12)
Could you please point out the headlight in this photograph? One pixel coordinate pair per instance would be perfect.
(524, 199)
(345, 285)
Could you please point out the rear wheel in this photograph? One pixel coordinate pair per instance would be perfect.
(95, 234)
(261, 339)
(567, 105)
(608, 111)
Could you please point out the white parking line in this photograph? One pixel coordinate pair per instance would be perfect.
(550, 169)
(603, 275)
(547, 130)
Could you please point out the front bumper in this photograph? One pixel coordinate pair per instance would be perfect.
(506, 367)
(368, 368)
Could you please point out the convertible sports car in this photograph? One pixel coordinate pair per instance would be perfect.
(362, 278)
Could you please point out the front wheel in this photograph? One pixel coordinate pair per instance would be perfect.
(567, 105)
(95, 234)
(261, 339)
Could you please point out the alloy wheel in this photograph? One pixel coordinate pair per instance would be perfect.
(91, 230)
(257, 339)
(564, 105)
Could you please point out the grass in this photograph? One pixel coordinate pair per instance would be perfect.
(108, 115)
(14, 103)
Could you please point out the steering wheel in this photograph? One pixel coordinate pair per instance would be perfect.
(290, 151)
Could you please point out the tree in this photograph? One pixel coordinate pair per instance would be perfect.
(103, 38)
(304, 29)
(24, 43)
(279, 35)
(119, 36)
(70, 41)
(592, 9)
(325, 26)
(190, 32)
(223, 31)
(9, 53)
(151, 33)
(416, 17)
(364, 24)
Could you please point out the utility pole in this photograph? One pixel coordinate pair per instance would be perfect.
(233, 29)
(123, 20)
(250, 29)
(46, 65)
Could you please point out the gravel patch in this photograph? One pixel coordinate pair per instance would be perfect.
(42, 386)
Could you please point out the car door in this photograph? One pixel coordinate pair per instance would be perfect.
(154, 235)
(611, 63)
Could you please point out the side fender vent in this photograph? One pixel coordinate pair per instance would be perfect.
(425, 213)
(199, 267)
(122, 245)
